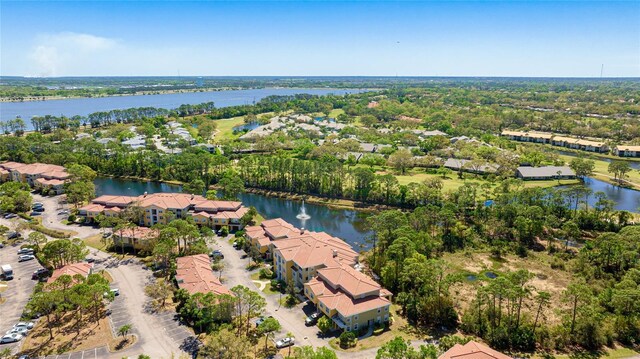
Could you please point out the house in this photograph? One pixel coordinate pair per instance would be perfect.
(82, 269)
(135, 143)
(349, 298)
(160, 208)
(37, 175)
(207, 147)
(537, 137)
(466, 166)
(194, 274)
(135, 237)
(545, 173)
(626, 151)
(472, 350)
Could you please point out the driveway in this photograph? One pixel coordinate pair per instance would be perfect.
(18, 290)
(51, 218)
(292, 320)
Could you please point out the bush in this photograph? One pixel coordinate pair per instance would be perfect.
(348, 340)
(266, 273)
(224, 231)
(240, 234)
(379, 328)
(48, 231)
(71, 218)
(557, 263)
(324, 324)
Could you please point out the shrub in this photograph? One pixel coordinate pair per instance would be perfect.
(266, 273)
(348, 340)
(324, 324)
(290, 301)
(71, 218)
(240, 235)
(224, 231)
(48, 231)
(379, 328)
(557, 263)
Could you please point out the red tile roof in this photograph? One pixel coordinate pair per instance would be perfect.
(342, 302)
(194, 275)
(472, 350)
(83, 269)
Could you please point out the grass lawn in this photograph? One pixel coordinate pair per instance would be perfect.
(67, 338)
(336, 112)
(95, 242)
(225, 128)
(400, 327)
(607, 353)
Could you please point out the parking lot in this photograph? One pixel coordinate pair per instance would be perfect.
(179, 333)
(18, 290)
(95, 353)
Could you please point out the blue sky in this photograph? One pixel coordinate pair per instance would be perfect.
(482, 38)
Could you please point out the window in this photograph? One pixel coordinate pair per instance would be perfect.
(355, 327)
(355, 318)
(379, 310)
(386, 309)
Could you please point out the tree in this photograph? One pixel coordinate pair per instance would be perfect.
(619, 170)
(577, 294)
(401, 160)
(225, 344)
(159, 292)
(267, 328)
(38, 239)
(63, 251)
(348, 339)
(308, 352)
(231, 185)
(582, 167)
(325, 324)
(397, 348)
(124, 330)
(249, 303)
(248, 217)
(196, 186)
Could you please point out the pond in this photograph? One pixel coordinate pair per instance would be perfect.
(247, 126)
(633, 164)
(342, 223)
(625, 199)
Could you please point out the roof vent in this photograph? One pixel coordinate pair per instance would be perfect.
(145, 193)
(335, 253)
(192, 195)
(302, 230)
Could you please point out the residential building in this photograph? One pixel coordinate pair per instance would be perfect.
(545, 173)
(626, 151)
(537, 137)
(40, 176)
(349, 298)
(135, 237)
(161, 208)
(561, 141)
(472, 350)
(73, 269)
(467, 166)
(194, 274)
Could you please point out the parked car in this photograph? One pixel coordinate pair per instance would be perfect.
(89, 260)
(28, 325)
(216, 255)
(11, 338)
(34, 213)
(285, 342)
(26, 257)
(24, 357)
(25, 250)
(40, 273)
(10, 215)
(63, 212)
(13, 235)
(106, 235)
(237, 245)
(114, 291)
(262, 319)
(18, 330)
(312, 319)
(39, 204)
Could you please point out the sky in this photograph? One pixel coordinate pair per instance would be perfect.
(320, 38)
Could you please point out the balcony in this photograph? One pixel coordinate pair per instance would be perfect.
(336, 319)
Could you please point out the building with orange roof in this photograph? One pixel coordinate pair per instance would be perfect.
(73, 269)
(161, 208)
(194, 274)
(40, 176)
(472, 350)
(134, 237)
(350, 298)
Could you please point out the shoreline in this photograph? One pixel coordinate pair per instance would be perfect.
(160, 92)
(335, 203)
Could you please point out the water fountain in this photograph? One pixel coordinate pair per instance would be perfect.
(303, 213)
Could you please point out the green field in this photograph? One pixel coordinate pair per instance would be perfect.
(225, 128)
(601, 171)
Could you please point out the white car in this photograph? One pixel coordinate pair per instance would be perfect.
(28, 325)
(18, 330)
(26, 257)
(11, 338)
(285, 342)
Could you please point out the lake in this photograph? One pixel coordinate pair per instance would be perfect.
(341, 223)
(85, 106)
(625, 199)
(633, 164)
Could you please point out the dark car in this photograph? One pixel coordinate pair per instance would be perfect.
(34, 213)
(40, 273)
(10, 215)
(262, 319)
(216, 255)
(237, 245)
(38, 209)
(312, 319)
(13, 235)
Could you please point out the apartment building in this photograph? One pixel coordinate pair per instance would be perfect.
(626, 151)
(560, 141)
(194, 274)
(322, 268)
(40, 176)
(136, 237)
(472, 350)
(161, 208)
(351, 299)
(537, 137)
